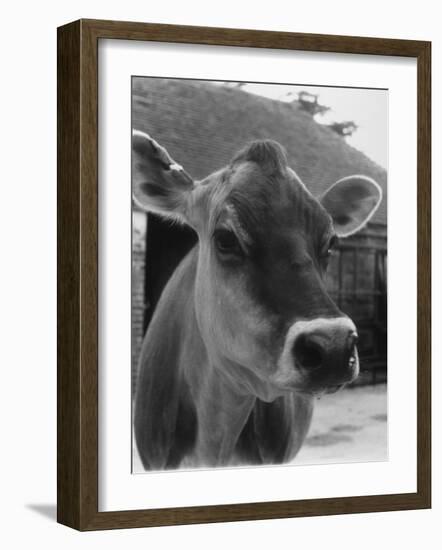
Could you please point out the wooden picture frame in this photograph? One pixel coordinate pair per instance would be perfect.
(77, 459)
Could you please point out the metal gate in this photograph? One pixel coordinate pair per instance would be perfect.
(357, 281)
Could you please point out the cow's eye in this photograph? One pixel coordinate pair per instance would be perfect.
(226, 242)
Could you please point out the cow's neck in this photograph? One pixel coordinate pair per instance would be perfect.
(222, 413)
(222, 410)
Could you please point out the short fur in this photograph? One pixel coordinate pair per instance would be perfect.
(269, 154)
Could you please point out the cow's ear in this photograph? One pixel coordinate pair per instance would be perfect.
(351, 202)
(159, 184)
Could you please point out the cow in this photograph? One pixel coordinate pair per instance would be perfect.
(244, 335)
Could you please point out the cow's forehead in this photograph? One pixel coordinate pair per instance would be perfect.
(264, 203)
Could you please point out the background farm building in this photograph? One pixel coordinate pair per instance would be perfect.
(203, 126)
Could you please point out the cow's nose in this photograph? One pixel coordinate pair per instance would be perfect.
(314, 349)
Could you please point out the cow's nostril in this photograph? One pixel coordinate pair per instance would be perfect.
(352, 342)
(307, 353)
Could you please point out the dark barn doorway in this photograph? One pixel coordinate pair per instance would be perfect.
(166, 245)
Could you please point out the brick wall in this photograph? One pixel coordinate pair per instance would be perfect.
(139, 220)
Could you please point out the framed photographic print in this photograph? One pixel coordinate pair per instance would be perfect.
(243, 275)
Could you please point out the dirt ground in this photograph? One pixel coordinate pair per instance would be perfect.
(349, 426)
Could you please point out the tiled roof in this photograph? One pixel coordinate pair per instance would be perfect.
(203, 126)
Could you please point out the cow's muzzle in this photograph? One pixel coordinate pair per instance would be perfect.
(322, 353)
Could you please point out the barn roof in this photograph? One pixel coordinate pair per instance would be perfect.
(203, 126)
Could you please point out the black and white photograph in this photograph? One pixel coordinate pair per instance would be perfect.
(220, 269)
(259, 274)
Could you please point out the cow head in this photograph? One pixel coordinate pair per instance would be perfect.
(264, 245)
